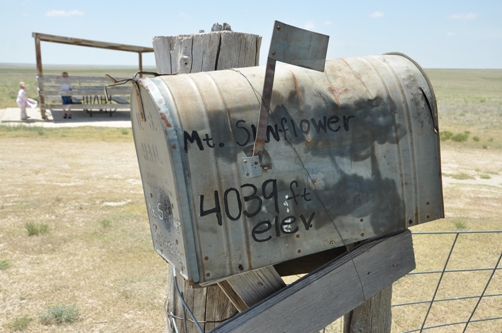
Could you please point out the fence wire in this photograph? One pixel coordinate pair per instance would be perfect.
(480, 249)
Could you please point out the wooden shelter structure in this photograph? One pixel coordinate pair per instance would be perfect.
(39, 37)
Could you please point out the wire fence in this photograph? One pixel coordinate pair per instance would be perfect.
(456, 286)
(464, 294)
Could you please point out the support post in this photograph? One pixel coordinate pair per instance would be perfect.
(140, 56)
(40, 72)
(374, 315)
(189, 54)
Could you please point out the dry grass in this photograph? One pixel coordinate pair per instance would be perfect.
(84, 184)
(111, 273)
(469, 102)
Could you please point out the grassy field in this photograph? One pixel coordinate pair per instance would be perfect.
(75, 247)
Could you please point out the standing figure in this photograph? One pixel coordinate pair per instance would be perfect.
(23, 101)
(66, 86)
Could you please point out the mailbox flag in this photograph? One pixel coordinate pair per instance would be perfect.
(298, 47)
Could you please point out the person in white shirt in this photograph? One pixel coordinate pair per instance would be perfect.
(66, 86)
(23, 101)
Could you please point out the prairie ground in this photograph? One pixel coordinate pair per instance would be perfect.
(78, 192)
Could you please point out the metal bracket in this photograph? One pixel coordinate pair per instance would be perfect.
(252, 167)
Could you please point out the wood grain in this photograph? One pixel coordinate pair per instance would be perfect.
(331, 291)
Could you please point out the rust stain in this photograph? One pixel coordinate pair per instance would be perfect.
(300, 104)
(298, 92)
(336, 93)
(164, 119)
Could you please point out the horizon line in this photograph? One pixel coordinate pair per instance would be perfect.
(24, 64)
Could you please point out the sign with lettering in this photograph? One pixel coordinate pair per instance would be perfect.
(350, 154)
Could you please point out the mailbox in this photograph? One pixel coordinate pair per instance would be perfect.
(351, 153)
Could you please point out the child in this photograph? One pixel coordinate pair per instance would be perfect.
(23, 101)
(66, 86)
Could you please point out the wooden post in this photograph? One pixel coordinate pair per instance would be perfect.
(189, 54)
(374, 315)
(40, 72)
(140, 59)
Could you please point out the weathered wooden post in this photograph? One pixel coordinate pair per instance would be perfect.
(40, 71)
(373, 316)
(349, 155)
(193, 53)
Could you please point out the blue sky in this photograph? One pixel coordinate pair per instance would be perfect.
(437, 34)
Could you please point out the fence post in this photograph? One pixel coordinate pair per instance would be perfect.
(374, 315)
(189, 54)
(40, 72)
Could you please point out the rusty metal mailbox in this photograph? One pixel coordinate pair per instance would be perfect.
(351, 153)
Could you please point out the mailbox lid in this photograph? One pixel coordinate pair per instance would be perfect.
(352, 153)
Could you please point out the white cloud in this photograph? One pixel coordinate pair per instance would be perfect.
(468, 16)
(450, 34)
(182, 14)
(309, 25)
(328, 23)
(65, 13)
(377, 14)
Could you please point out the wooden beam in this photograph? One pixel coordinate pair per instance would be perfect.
(331, 291)
(89, 90)
(248, 289)
(86, 106)
(56, 79)
(90, 43)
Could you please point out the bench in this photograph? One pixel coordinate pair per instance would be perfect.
(87, 94)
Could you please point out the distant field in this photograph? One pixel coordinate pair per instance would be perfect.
(468, 100)
(75, 229)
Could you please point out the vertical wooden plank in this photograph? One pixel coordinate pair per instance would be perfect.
(236, 50)
(181, 59)
(40, 73)
(162, 49)
(374, 315)
(205, 52)
(257, 54)
(189, 54)
(218, 308)
(198, 302)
